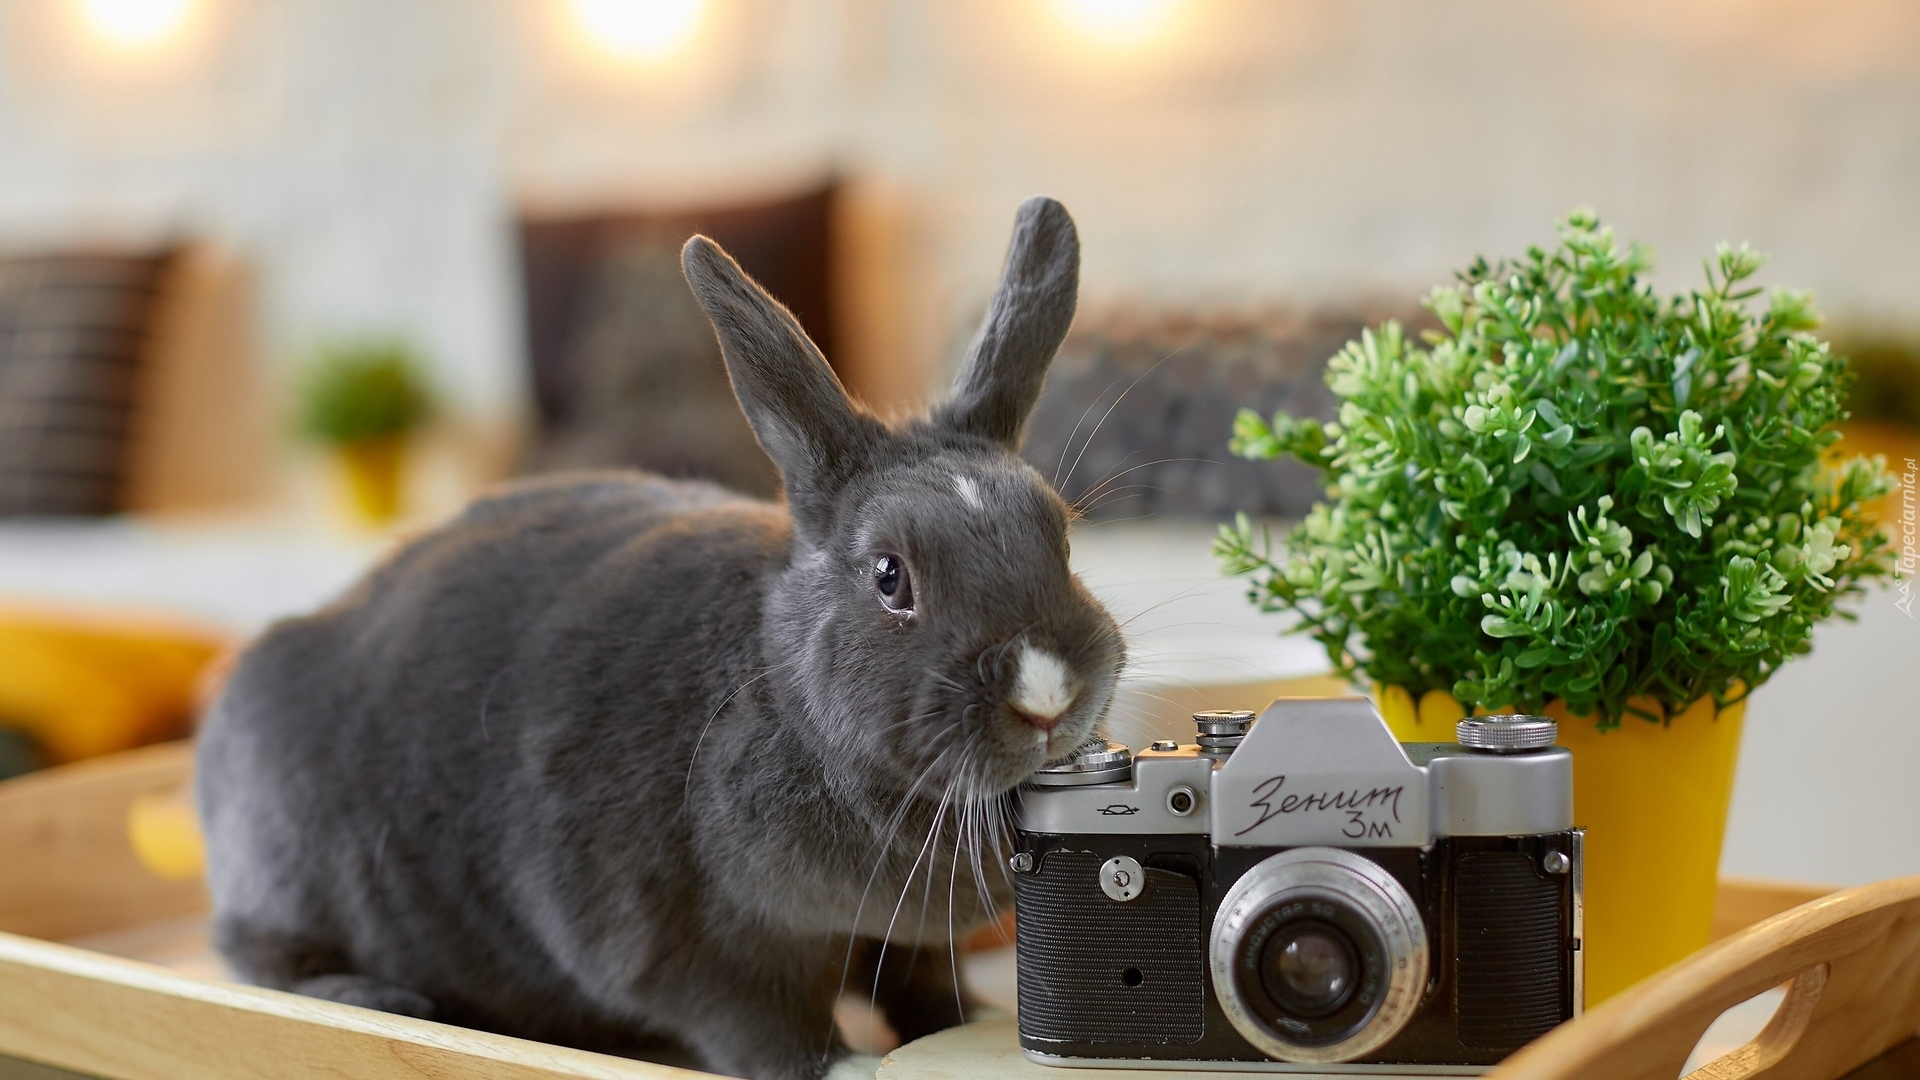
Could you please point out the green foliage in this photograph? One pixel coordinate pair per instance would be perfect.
(361, 390)
(1575, 490)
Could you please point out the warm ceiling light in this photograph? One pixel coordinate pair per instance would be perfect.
(1117, 22)
(135, 23)
(644, 30)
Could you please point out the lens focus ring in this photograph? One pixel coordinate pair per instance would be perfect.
(1318, 879)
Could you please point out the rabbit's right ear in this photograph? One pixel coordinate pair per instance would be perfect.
(798, 409)
(1028, 318)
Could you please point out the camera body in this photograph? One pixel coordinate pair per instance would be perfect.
(1304, 893)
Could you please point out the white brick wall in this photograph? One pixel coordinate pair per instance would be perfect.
(366, 154)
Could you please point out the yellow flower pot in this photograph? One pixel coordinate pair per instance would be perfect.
(1653, 799)
(372, 470)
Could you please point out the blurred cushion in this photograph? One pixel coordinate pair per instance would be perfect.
(1137, 411)
(652, 388)
(72, 330)
(574, 270)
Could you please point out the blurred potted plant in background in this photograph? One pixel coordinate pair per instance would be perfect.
(364, 399)
(1884, 403)
(1581, 499)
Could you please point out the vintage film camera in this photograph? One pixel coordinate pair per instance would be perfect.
(1301, 893)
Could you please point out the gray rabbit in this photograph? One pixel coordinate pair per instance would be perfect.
(647, 767)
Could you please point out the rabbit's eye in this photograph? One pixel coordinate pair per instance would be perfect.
(891, 578)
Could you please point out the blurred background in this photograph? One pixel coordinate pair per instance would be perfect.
(281, 280)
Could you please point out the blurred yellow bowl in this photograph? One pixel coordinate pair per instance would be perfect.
(165, 834)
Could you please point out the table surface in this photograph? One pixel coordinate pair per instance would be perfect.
(1900, 1063)
(989, 1050)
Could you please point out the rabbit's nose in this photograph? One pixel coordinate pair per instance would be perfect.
(1044, 723)
(1041, 691)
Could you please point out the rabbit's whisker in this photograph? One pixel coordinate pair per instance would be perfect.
(1101, 486)
(1118, 494)
(880, 959)
(944, 679)
(916, 718)
(1115, 521)
(1161, 698)
(1116, 404)
(907, 888)
(953, 946)
(884, 847)
(486, 699)
(981, 890)
(687, 788)
(962, 808)
(926, 897)
(931, 844)
(1084, 413)
(992, 812)
(1077, 509)
(1157, 605)
(1124, 493)
(976, 810)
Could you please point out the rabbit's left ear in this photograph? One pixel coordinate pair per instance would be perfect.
(798, 409)
(1025, 324)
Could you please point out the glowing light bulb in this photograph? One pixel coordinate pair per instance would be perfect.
(135, 23)
(642, 30)
(1116, 22)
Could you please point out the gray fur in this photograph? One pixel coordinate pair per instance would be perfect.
(1026, 322)
(647, 767)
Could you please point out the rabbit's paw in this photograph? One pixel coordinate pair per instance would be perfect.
(366, 993)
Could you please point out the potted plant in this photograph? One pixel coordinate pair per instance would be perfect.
(364, 399)
(1579, 498)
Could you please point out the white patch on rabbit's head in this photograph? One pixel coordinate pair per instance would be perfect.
(969, 491)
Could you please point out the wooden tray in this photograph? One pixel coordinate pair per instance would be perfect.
(72, 893)
(67, 873)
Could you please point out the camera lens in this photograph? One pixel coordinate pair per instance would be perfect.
(1318, 955)
(1309, 969)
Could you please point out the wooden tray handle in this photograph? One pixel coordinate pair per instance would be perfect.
(1853, 962)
